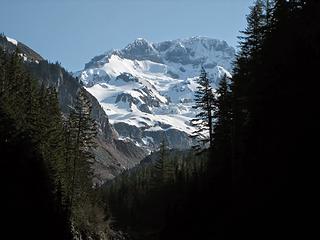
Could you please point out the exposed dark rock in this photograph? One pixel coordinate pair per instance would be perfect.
(173, 75)
(182, 69)
(210, 65)
(140, 49)
(127, 77)
(95, 62)
(126, 130)
(144, 108)
(175, 138)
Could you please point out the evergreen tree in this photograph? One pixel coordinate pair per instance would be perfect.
(11, 92)
(81, 135)
(2, 71)
(245, 79)
(223, 117)
(163, 167)
(52, 139)
(159, 167)
(252, 39)
(204, 104)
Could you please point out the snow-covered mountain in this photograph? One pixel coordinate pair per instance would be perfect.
(147, 89)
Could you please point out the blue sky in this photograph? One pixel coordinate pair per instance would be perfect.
(74, 31)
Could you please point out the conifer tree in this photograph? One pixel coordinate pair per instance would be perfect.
(223, 125)
(223, 113)
(11, 93)
(2, 71)
(159, 167)
(52, 138)
(33, 109)
(81, 133)
(204, 104)
(253, 35)
(246, 75)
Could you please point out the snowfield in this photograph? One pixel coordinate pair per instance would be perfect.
(13, 41)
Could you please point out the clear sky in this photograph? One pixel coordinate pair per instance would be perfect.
(74, 31)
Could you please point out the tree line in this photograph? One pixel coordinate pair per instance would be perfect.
(140, 200)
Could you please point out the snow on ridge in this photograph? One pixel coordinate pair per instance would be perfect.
(13, 41)
(200, 46)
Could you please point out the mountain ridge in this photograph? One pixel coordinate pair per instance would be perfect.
(157, 47)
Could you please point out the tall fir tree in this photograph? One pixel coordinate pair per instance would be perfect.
(223, 118)
(159, 167)
(81, 134)
(204, 99)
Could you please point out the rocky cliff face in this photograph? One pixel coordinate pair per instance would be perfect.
(147, 89)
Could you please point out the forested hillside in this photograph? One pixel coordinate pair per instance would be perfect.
(46, 160)
(263, 119)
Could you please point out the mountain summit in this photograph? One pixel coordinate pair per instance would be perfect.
(147, 89)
